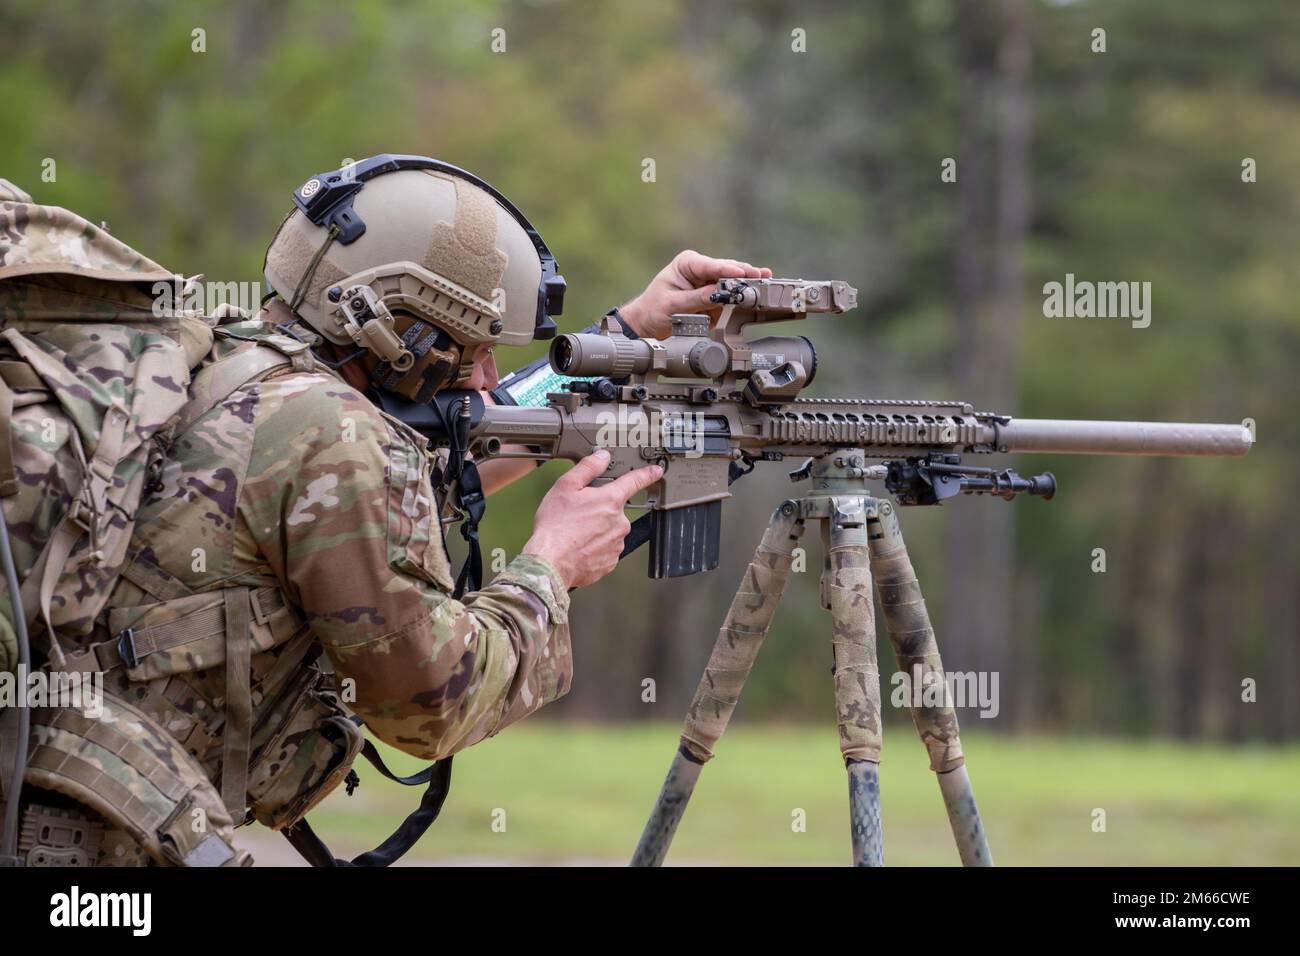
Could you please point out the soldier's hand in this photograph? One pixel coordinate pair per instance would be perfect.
(579, 529)
(684, 286)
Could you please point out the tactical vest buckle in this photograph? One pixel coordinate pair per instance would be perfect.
(126, 648)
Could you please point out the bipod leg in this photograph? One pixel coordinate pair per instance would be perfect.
(733, 655)
(908, 623)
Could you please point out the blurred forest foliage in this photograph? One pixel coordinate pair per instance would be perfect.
(1122, 165)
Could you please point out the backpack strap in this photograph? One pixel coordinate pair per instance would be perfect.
(84, 516)
(209, 388)
(202, 630)
(8, 477)
(236, 738)
(152, 579)
(18, 374)
(214, 383)
(225, 622)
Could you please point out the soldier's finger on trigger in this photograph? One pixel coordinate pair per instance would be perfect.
(584, 472)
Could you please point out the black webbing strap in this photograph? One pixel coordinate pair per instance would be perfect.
(371, 753)
(472, 504)
(461, 480)
(437, 776)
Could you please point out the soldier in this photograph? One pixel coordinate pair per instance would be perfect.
(292, 536)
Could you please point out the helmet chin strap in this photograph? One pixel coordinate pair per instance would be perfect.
(356, 354)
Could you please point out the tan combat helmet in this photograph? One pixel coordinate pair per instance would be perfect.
(418, 262)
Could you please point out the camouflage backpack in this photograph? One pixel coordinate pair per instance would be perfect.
(89, 377)
(94, 390)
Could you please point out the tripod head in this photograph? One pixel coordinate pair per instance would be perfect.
(926, 480)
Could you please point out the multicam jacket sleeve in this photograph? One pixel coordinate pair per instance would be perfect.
(338, 501)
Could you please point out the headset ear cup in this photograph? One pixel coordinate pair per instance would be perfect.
(440, 371)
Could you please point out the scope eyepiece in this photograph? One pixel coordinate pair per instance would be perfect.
(562, 355)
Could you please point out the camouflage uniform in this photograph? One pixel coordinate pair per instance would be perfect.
(300, 483)
(298, 506)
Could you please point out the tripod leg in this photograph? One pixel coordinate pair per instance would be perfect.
(864, 813)
(846, 587)
(733, 655)
(917, 652)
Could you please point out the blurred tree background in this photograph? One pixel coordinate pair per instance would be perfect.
(1117, 166)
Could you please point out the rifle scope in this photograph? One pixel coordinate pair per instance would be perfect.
(588, 354)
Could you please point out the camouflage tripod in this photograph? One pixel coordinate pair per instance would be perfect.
(861, 538)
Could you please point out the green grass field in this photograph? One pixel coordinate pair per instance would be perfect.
(579, 793)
